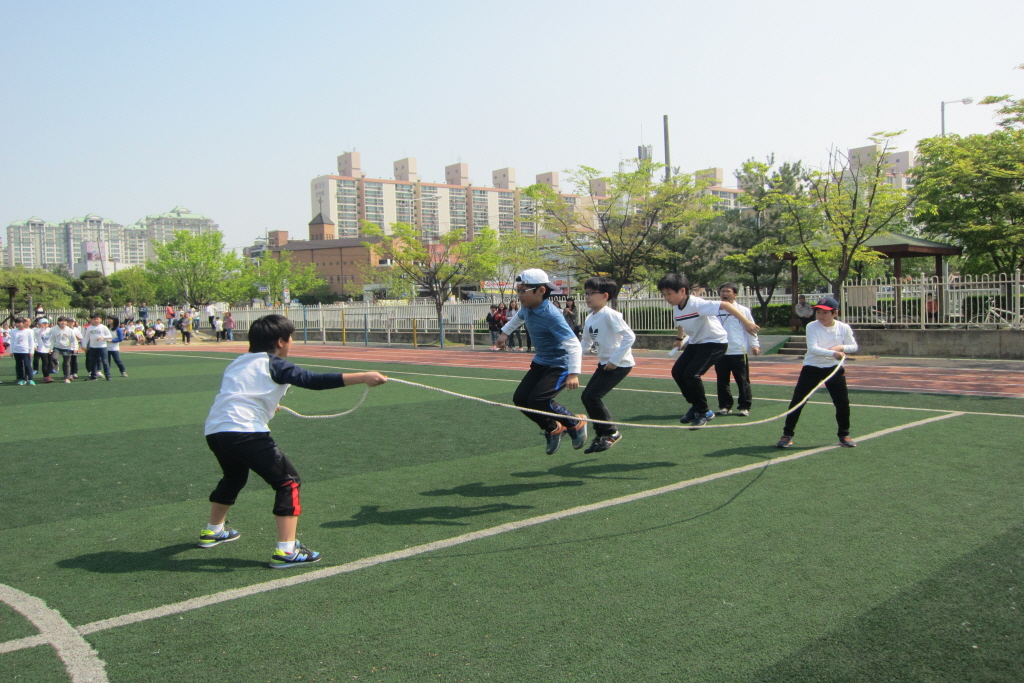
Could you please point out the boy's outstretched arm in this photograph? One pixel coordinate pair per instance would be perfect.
(371, 379)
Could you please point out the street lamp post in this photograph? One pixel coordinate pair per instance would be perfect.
(966, 100)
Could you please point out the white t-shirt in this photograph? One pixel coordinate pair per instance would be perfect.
(820, 339)
(741, 342)
(607, 329)
(699, 320)
(96, 337)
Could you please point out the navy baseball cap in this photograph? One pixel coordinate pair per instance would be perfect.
(827, 304)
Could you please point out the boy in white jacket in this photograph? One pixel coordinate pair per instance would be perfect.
(734, 362)
(606, 329)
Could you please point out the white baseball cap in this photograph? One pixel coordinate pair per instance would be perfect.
(533, 276)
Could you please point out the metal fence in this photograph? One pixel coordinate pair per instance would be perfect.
(983, 302)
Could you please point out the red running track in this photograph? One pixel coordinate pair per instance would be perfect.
(943, 377)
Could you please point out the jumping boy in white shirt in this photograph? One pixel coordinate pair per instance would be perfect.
(697, 319)
(607, 329)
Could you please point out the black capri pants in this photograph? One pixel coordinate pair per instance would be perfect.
(239, 452)
(538, 390)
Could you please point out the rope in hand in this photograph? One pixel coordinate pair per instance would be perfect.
(799, 405)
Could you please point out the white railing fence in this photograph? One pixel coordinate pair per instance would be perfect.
(984, 302)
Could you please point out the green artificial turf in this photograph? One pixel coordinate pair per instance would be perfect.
(847, 565)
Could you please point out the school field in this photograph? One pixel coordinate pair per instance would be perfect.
(456, 550)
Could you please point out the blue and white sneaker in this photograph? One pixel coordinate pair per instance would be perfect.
(702, 420)
(690, 416)
(579, 434)
(208, 539)
(301, 556)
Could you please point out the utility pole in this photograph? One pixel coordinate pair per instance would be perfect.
(668, 158)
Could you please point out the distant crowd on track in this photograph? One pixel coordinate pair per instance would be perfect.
(43, 348)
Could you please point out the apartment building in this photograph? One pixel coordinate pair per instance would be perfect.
(348, 198)
(726, 198)
(92, 242)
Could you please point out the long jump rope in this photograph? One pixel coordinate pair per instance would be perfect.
(561, 416)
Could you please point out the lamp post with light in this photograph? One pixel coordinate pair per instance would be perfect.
(966, 100)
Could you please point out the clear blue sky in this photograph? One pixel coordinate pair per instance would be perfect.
(230, 108)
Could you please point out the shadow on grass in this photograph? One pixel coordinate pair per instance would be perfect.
(478, 490)
(590, 539)
(439, 516)
(759, 452)
(962, 624)
(159, 560)
(577, 470)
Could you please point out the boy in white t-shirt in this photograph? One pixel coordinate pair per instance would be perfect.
(606, 329)
(734, 362)
(237, 432)
(697, 319)
(828, 342)
(94, 341)
(23, 344)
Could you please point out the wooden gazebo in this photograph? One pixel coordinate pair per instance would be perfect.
(894, 246)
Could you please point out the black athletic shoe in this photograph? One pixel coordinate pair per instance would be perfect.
(690, 416)
(784, 442)
(847, 442)
(702, 420)
(579, 434)
(603, 443)
(554, 438)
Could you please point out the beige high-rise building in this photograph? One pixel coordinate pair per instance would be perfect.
(348, 198)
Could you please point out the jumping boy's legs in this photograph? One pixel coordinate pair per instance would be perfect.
(537, 391)
(601, 382)
(687, 371)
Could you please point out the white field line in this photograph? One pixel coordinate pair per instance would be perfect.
(82, 662)
(234, 594)
(642, 391)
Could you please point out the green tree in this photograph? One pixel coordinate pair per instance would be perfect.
(516, 252)
(195, 269)
(132, 284)
(437, 268)
(92, 292)
(26, 287)
(277, 274)
(970, 191)
(622, 223)
(847, 203)
(758, 234)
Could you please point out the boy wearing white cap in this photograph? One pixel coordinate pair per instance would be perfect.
(555, 366)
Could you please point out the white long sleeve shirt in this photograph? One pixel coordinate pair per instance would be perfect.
(821, 339)
(44, 339)
(741, 342)
(23, 341)
(607, 329)
(65, 339)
